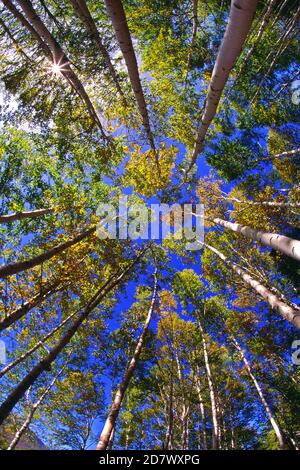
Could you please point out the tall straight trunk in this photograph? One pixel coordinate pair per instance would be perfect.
(185, 428)
(4, 219)
(288, 153)
(21, 18)
(170, 417)
(202, 410)
(119, 396)
(117, 16)
(38, 345)
(240, 20)
(41, 342)
(85, 16)
(111, 440)
(185, 407)
(45, 364)
(59, 57)
(31, 413)
(19, 312)
(194, 34)
(45, 291)
(215, 428)
(274, 424)
(14, 41)
(39, 259)
(232, 431)
(286, 245)
(286, 311)
(261, 203)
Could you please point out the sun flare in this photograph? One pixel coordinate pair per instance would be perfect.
(56, 68)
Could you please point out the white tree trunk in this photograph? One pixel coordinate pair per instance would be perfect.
(20, 266)
(270, 415)
(287, 312)
(4, 219)
(286, 245)
(215, 430)
(85, 16)
(117, 16)
(110, 422)
(59, 57)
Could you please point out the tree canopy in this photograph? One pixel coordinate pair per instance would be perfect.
(142, 342)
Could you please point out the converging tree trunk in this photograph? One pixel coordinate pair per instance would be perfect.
(240, 20)
(38, 345)
(288, 153)
(194, 34)
(168, 444)
(215, 428)
(85, 16)
(119, 396)
(202, 411)
(37, 260)
(52, 48)
(117, 16)
(274, 424)
(286, 245)
(265, 21)
(17, 45)
(32, 412)
(6, 218)
(21, 18)
(45, 364)
(286, 311)
(260, 203)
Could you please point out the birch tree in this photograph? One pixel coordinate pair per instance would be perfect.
(120, 393)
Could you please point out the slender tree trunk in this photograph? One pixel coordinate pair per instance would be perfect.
(45, 365)
(170, 417)
(287, 312)
(185, 406)
(117, 16)
(117, 402)
(59, 57)
(31, 413)
(261, 203)
(16, 44)
(27, 306)
(111, 440)
(239, 23)
(39, 259)
(185, 428)
(4, 219)
(288, 153)
(286, 245)
(265, 21)
(21, 18)
(194, 34)
(270, 415)
(202, 410)
(38, 345)
(52, 287)
(232, 432)
(85, 16)
(215, 429)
